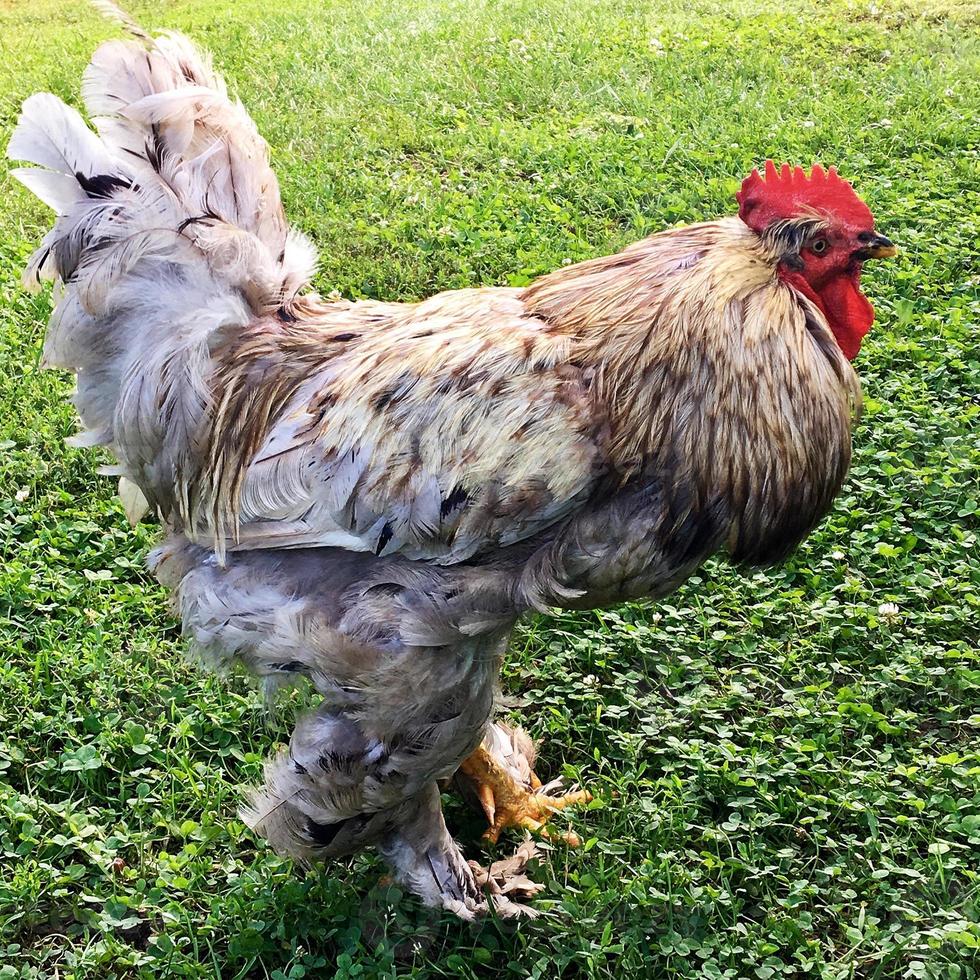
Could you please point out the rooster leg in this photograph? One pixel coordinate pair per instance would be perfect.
(362, 769)
(428, 862)
(499, 775)
(305, 809)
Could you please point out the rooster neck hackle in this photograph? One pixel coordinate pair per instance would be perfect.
(702, 306)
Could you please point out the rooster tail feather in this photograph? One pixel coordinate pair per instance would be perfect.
(115, 13)
(174, 145)
(169, 229)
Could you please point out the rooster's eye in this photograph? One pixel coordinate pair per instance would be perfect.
(820, 246)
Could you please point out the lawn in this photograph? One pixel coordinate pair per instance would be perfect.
(786, 763)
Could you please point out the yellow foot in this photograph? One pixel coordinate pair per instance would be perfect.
(511, 795)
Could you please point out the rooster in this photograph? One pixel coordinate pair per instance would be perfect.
(371, 494)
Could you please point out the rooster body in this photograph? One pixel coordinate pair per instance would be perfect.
(371, 494)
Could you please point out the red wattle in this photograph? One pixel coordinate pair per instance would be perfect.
(848, 311)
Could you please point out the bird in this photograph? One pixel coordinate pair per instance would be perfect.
(370, 495)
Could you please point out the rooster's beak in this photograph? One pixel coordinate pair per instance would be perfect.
(877, 247)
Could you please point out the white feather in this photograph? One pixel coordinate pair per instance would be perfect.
(58, 191)
(134, 503)
(55, 136)
(181, 236)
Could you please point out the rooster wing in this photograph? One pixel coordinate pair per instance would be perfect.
(439, 430)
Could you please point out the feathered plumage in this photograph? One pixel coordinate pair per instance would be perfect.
(370, 494)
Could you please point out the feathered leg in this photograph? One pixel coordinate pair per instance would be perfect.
(427, 861)
(403, 706)
(314, 806)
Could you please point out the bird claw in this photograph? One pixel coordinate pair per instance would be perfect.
(505, 882)
(531, 811)
(503, 887)
(510, 793)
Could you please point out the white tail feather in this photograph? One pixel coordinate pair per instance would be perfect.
(54, 136)
(170, 228)
(58, 191)
(134, 503)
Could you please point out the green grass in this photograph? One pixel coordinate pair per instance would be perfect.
(787, 765)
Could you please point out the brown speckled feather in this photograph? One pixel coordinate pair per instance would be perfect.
(437, 430)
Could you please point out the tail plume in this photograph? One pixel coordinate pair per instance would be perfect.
(169, 229)
(177, 168)
(115, 13)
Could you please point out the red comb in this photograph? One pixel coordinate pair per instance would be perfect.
(789, 192)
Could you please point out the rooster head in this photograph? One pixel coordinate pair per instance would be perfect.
(823, 233)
